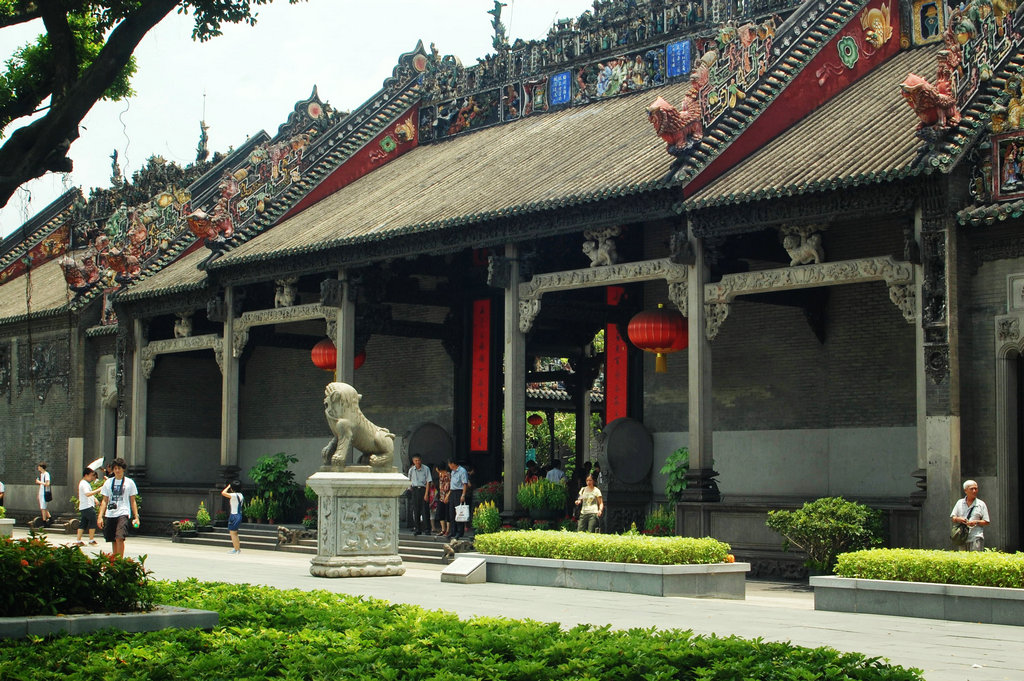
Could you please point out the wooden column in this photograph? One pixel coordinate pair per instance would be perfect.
(229, 392)
(701, 485)
(514, 444)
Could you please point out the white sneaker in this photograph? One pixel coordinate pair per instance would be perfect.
(235, 551)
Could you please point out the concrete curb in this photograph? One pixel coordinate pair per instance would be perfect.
(717, 580)
(160, 617)
(954, 602)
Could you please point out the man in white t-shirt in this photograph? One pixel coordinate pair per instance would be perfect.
(972, 512)
(87, 507)
(118, 506)
(556, 474)
(2, 490)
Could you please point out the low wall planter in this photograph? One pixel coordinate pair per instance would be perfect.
(6, 527)
(988, 604)
(717, 580)
(160, 617)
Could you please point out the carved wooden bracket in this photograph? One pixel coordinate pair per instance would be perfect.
(899, 276)
(210, 341)
(608, 275)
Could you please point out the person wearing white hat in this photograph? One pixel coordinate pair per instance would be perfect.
(87, 507)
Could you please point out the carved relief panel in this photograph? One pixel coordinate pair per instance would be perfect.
(43, 364)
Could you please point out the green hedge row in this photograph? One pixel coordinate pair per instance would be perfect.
(611, 548)
(971, 568)
(266, 633)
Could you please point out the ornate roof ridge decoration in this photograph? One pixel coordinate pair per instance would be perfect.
(898, 276)
(40, 239)
(802, 36)
(620, 47)
(993, 55)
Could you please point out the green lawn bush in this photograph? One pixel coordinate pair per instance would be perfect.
(826, 527)
(970, 568)
(266, 633)
(611, 548)
(41, 579)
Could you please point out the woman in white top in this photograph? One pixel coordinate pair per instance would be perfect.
(591, 507)
(235, 500)
(44, 486)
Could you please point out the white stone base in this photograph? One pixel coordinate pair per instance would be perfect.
(357, 530)
(361, 566)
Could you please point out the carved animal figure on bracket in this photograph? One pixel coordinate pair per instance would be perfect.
(803, 244)
(183, 326)
(600, 246)
(352, 429)
(286, 291)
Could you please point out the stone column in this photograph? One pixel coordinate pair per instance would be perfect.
(514, 442)
(140, 393)
(582, 421)
(229, 392)
(938, 354)
(345, 332)
(701, 485)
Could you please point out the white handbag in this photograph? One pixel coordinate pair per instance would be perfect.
(462, 513)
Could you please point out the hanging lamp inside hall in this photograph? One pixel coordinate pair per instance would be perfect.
(325, 356)
(660, 331)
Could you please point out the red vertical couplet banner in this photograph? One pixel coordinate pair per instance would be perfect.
(616, 368)
(480, 376)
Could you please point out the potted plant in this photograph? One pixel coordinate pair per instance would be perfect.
(203, 521)
(254, 510)
(492, 491)
(659, 522)
(184, 528)
(309, 522)
(6, 524)
(273, 510)
(220, 519)
(543, 499)
(486, 518)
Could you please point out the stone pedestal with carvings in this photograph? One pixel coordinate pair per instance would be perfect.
(358, 522)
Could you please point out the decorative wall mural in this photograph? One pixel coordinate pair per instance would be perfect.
(53, 246)
(42, 364)
(927, 19)
(861, 39)
(1008, 166)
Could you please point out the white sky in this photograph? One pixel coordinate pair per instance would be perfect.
(252, 76)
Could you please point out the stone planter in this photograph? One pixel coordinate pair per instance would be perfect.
(991, 605)
(185, 534)
(204, 528)
(717, 580)
(546, 514)
(6, 527)
(159, 618)
(220, 523)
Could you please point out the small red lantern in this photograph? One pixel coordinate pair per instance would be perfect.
(325, 355)
(358, 360)
(535, 420)
(659, 331)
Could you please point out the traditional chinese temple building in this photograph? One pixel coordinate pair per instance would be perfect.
(829, 196)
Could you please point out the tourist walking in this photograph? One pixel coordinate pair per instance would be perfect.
(2, 490)
(444, 490)
(973, 513)
(118, 506)
(45, 495)
(458, 496)
(234, 494)
(87, 507)
(591, 507)
(419, 478)
(556, 474)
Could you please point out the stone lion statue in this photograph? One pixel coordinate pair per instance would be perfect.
(352, 428)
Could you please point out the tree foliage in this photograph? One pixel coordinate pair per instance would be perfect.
(84, 56)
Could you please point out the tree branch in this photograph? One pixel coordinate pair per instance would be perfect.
(41, 146)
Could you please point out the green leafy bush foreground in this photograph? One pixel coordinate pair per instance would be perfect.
(266, 633)
(41, 579)
(970, 568)
(611, 548)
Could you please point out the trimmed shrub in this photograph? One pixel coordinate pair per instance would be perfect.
(969, 568)
(609, 548)
(826, 527)
(41, 579)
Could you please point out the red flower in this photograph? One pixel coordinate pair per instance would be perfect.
(24, 563)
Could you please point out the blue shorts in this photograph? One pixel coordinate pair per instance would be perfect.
(234, 520)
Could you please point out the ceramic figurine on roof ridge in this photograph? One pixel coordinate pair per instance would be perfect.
(682, 128)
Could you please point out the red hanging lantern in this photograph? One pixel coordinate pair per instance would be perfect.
(325, 355)
(535, 420)
(358, 360)
(659, 331)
